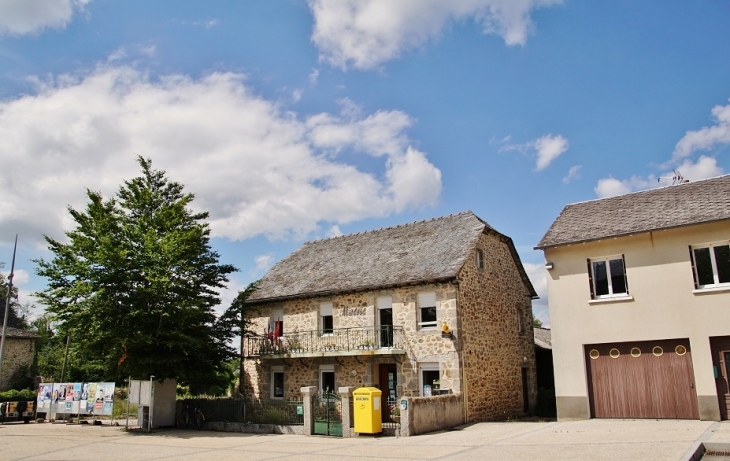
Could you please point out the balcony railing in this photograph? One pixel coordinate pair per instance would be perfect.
(341, 341)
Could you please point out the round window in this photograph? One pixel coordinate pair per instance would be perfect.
(658, 351)
(614, 353)
(594, 354)
(635, 352)
(680, 350)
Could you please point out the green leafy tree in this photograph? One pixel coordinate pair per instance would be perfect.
(136, 285)
(16, 317)
(536, 322)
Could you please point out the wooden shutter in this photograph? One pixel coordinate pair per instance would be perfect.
(694, 269)
(590, 279)
(626, 279)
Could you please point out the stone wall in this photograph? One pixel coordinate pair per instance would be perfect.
(429, 414)
(359, 310)
(18, 352)
(494, 350)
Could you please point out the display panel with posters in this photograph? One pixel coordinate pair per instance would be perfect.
(76, 398)
(45, 391)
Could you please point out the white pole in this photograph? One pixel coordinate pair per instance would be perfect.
(152, 400)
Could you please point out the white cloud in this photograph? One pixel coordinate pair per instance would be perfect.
(366, 33)
(19, 17)
(705, 167)
(313, 77)
(334, 231)
(20, 278)
(705, 138)
(547, 149)
(609, 187)
(573, 173)
(257, 168)
(263, 262)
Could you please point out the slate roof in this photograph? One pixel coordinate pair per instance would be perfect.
(664, 208)
(419, 252)
(543, 338)
(18, 333)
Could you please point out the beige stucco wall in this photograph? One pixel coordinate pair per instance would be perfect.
(660, 281)
(18, 352)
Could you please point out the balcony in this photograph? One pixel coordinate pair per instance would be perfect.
(380, 340)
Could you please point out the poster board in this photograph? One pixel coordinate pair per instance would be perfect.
(76, 398)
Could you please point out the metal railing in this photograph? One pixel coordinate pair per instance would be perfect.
(335, 340)
(289, 412)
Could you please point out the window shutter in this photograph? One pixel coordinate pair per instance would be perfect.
(626, 279)
(694, 269)
(590, 279)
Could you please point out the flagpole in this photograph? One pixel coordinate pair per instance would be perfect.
(7, 310)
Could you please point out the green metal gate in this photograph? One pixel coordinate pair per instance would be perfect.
(328, 414)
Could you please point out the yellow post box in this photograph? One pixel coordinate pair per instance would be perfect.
(368, 410)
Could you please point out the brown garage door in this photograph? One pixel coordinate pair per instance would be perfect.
(650, 379)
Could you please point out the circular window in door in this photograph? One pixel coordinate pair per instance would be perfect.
(594, 354)
(680, 350)
(635, 352)
(614, 353)
(658, 351)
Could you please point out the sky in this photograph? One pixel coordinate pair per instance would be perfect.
(293, 120)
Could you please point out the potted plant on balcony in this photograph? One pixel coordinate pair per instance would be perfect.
(330, 347)
(367, 345)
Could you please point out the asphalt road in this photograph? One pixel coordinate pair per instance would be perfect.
(584, 440)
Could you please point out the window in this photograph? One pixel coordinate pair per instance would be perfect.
(520, 319)
(327, 378)
(427, 310)
(276, 325)
(429, 378)
(480, 259)
(711, 265)
(608, 277)
(326, 322)
(277, 382)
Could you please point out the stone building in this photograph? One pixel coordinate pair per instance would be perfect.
(19, 352)
(430, 307)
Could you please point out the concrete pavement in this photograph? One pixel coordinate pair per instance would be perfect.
(583, 440)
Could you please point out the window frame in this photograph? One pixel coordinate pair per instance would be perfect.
(326, 310)
(520, 320)
(427, 366)
(327, 369)
(479, 259)
(274, 371)
(592, 277)
(713, 261)
(425, 298)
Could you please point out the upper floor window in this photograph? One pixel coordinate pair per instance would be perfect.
(520, 319)
(608, 277)
(711, 264)
(427, 310)
(326, 320)
(276, 324)
(480, 259)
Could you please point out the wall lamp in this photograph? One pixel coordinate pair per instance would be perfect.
(548, 266)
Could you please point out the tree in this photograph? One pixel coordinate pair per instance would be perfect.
(136, 285)
(16, 319)
(536, 322)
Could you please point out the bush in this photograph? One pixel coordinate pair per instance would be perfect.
(545, 403)
(15, 395)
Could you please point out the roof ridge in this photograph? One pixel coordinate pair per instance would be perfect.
(654, 189)
(397, 226)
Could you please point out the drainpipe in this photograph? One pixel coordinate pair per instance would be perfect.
(464, 385)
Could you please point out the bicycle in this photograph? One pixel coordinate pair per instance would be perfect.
(191, 417)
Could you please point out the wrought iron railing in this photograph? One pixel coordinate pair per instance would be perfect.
(336, 340)
(250, 411)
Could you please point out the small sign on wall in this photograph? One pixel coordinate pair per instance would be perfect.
(404, 405)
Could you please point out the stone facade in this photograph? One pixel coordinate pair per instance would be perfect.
(18, 352)
(482, 361)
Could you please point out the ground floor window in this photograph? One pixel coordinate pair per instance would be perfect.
(277, 383)
(429, 378)
(327, 378)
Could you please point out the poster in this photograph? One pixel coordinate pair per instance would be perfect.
(45, 391)
(76, 398)
(90, 395)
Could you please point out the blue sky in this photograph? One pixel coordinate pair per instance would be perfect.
(292, 120)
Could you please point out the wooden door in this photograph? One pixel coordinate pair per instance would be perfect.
(648, 379)
(721, 363)
(388, 378)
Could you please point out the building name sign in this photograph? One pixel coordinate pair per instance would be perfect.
(353, 311)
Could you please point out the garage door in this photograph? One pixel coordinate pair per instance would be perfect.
(650, 379)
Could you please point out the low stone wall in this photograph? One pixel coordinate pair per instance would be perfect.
(428, 414)
(221, 426)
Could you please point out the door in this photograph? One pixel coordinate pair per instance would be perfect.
(721, 364)
(328, 414)
(388, 378)
(648, 379)
(385, 320)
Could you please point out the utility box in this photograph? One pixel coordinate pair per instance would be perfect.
(159, 397)
(368, 410)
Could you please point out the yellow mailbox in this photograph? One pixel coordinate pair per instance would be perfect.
(368, 410)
